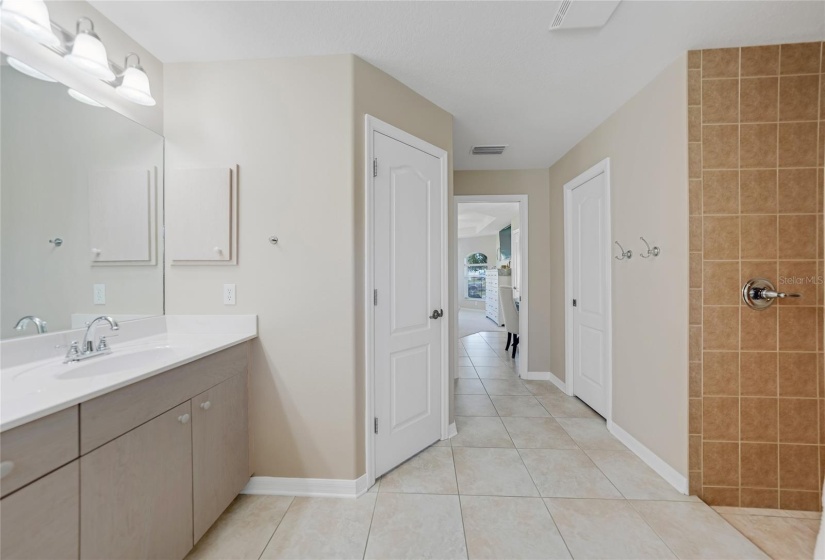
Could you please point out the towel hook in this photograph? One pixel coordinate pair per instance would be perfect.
(654, 251)
(625, 254)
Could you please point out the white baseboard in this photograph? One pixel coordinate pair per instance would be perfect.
(313, 487)
(546, 376)
(451, 430)
(671, 475)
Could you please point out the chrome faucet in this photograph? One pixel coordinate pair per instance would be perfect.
(39, 323)
(88, 349)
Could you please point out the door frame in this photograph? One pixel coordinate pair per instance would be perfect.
(601, 168)
(372, 125)
(524, 306)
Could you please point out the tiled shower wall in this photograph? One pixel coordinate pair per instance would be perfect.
(757, 397)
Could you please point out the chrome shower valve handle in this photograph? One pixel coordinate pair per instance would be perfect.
(760, 293)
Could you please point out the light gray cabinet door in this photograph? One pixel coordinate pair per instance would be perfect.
(41, 520)
(220, 449)
(136, 492)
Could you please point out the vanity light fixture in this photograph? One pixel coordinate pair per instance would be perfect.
(135, 83)
(31, 18)
(28, 70)
(83, 98)
(88, 52)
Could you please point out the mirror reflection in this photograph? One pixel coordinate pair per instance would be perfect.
(81, 197)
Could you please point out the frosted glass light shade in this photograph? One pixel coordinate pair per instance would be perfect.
(83, 98)
(28, 70)
(135, 87)
(31, 18)
(89, 54)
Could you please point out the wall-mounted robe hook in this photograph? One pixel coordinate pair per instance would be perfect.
(57, 241)
(625, 254)
(651, 251)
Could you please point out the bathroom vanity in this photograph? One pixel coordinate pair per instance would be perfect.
(131, 455)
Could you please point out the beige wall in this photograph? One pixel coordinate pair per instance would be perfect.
(288, 124)
(645, 141)
(296, 128)
(383, 97)
(118, 44)
(534, 183)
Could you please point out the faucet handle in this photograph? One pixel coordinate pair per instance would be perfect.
(102, 345)
(73, 353)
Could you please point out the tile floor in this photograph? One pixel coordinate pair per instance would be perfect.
(532, 473)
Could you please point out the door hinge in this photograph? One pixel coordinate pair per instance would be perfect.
(375, 167)
(376, 425)
(375, 297)
(574, 303)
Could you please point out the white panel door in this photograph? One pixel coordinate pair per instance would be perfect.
(408, 241)
(590, 285)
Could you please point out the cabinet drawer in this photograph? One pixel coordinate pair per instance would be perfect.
(109, 416)
(41, 520)
(39, 447)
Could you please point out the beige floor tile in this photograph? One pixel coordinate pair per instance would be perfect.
(323, 528)
(464, 386)
(527, 407)
(243, 530)
(474, 405)
(769, 512)
(496, 372)
(510, 528)
(464, 361)
(467, 373)
(416, 526)
(374, 488)
(486, 361)
(429, 472)
(591, 433)
(694, 530)
(474, 431)
(539, 387)
(492, 472)
(537, 433)
(508, 387)
(494, 336)
(562, 406)
(634, 479)
(780, 537)
(567, 473)
(605, 529)
(442, 443)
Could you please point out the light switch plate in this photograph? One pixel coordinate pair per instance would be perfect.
(99, 294)
(229, 294)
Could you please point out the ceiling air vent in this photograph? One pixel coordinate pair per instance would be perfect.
(495, 150)
(560, 14)
(582, 14)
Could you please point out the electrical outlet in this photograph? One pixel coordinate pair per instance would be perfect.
(229, 294)
(99, 294)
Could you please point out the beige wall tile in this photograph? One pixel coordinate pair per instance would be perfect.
(717, 496)
(695, 382)
(799, 191)
(759, 99)
(695, 160)
(720, 464)
(695, 193)
(797, 328)
(758, 374)
(760, 61)
(800, 58)
(759, 237)
(720, 418)
(758, 145)
(798, 277)
(797, 237)
(797, 144)
(797, 374)
(695, 453)
(798, 467)
(721, 283)
(758, 191)
(720, 146)
(695, 124)
(799, 500)
(694, 59)
(758, 419)
(720, 192)
(695, 265)
(721, 328)
(695, 416)
(799, 98)
(720, 101)
(759, 498)
(798, 421)
(720, 373)
(758, 329)
(720, 63)
(721, 237)
(694, 87)
(695, 311)
(760, 465)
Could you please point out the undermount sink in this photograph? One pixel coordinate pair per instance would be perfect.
(121, 359)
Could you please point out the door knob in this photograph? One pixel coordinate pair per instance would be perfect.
(183, 419)
(437, 313)
(205, 405)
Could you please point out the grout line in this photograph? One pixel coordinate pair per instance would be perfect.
(372, 517)
(281, 520)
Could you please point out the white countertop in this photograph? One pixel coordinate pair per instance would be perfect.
(34, 381)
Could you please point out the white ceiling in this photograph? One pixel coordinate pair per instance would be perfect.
(476, 219)
(493, 65)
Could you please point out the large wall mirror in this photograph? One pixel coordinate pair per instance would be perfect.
(81, 191)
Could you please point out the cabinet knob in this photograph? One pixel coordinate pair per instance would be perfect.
(206, 405)
(5, 468)
(217, 250)
(183, 419)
